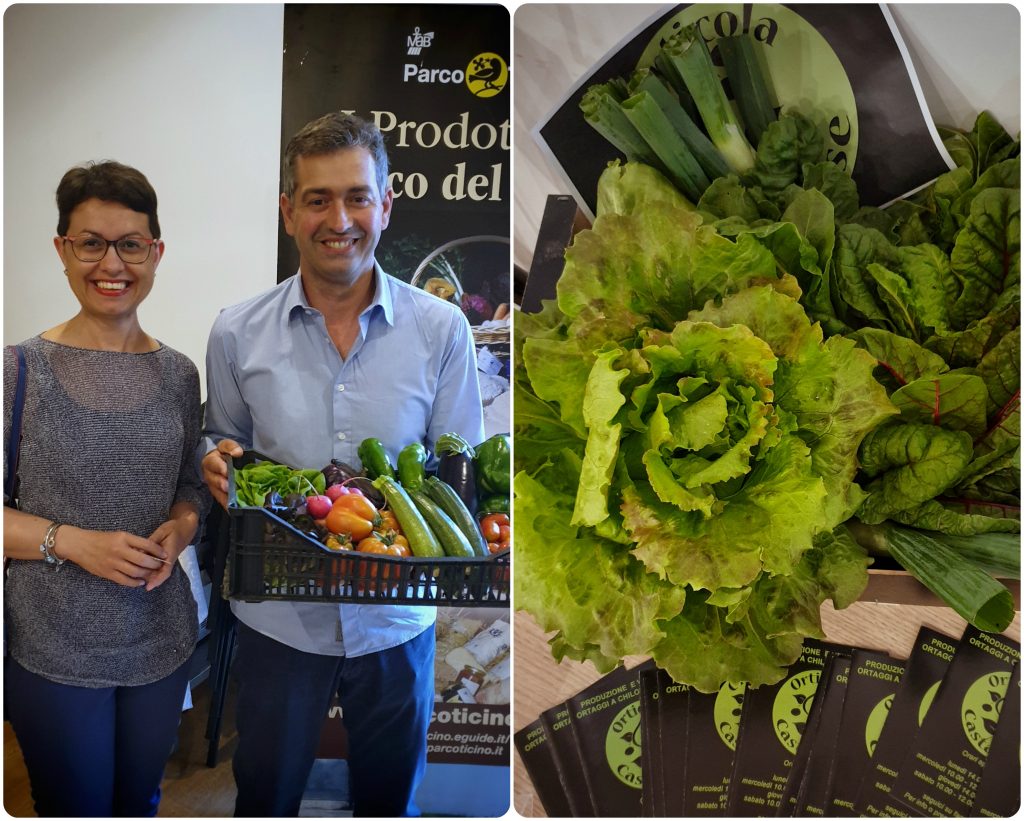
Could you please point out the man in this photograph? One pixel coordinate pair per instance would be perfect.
(303, 373)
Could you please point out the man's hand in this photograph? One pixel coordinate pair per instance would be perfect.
(215, 469)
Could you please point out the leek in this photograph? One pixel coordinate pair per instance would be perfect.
(963, 585)
(689, 55)
(666, 69)
(700, 146)
(748, 84)
(996, 553)
(654, 126)
(602, 110)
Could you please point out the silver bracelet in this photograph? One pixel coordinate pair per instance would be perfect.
(46, 548)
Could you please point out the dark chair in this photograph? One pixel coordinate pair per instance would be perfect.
(222, 628)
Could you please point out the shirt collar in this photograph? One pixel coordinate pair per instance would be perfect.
(295, 295)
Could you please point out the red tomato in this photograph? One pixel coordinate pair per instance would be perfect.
(490, 526)
(375, 544)
(389, 521)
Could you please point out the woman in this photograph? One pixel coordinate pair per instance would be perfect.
(100, 616)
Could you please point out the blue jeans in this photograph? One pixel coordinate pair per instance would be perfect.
(386, 699)
(94, 752)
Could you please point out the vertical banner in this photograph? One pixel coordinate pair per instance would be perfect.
(434, 78)
(472, 681)
(471, 723)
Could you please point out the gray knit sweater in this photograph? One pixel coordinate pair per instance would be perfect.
(108, 443)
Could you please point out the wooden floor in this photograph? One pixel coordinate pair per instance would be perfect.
(190, 788)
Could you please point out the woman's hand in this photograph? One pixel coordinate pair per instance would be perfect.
(115, 555)
(173, 536)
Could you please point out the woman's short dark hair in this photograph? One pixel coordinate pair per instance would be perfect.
(108, 181)
(333, 132)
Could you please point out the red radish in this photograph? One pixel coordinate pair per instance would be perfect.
(318, 506)
(355, 491)
(336, 490)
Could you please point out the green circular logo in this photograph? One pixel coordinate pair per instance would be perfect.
(926, 702)
(981, 707)
(792, 704)
(622, 746)
(728, 706)
(804, 71)
(876, 718)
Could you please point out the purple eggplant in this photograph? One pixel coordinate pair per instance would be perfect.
(455, 467)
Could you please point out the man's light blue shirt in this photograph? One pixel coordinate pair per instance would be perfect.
(277, 384)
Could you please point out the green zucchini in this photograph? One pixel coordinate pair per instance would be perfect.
(453, 540)
(448, 500)
(422, 541)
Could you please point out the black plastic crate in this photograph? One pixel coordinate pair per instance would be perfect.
(270, 560)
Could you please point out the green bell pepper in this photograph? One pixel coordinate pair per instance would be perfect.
(494, 504)
(493, 465)
(375, 459)
(412, 460)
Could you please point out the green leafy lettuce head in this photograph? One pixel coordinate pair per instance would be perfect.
(685, 450)
(735, 443)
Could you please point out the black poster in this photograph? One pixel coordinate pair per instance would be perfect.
(843, 62)
(435, 80)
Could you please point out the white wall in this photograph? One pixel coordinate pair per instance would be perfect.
(967, 57)
(191, 96)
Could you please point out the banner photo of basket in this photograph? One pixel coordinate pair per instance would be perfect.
(472, 290)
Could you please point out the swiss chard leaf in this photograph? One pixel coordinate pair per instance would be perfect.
(900, 360)
(913, 464)
(986, 255)
(956, 401)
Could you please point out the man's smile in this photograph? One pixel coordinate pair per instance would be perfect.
(340, 243)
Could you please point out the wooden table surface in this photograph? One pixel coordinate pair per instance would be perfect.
(540, 683)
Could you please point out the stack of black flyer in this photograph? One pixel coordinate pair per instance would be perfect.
(848, 732)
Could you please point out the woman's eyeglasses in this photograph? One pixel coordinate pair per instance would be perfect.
(90, 248)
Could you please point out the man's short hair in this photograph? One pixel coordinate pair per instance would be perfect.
(108, 181)
(334, 132)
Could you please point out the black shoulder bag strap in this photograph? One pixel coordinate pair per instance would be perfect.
(14, 443)
(13, 451)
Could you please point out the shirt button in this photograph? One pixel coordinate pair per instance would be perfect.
(341, 387)
(341, 436)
